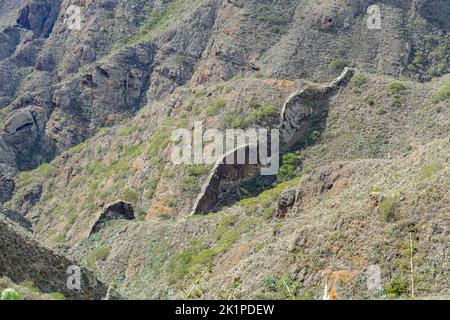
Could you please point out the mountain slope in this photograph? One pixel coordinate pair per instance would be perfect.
(86, 120)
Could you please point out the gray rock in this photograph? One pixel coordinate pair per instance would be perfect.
(287, 198)
(119, 210)
(20, 121)
(17, 218)
(7, 187)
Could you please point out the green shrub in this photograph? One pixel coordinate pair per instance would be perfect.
(192, 260)
(284, 287)
(127, 130)
(358, 80)
(419, 59)
(46, 170)
(197, 170)
(270, 283)
(190, 184)
(214, 107)
(234, 119)
(160, 18)
(337, 64)
(158, 142)
(396, 87)
(57, 296)
(397, 101)
(168, 173)
(254, 104)
(442, 94)
(200, 93)
(151, 187)
(11, 294)
(314, 135)
(396, 288)
(289, 162)
(262, 113)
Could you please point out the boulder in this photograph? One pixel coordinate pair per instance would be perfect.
(286, 201)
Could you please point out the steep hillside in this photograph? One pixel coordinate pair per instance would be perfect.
(347, 217)
(86, 124)
(26, 261)
(129, 54)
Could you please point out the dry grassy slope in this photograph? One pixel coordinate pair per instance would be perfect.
(332, 235)
(206, 69)
(132, 160)
(362, 123)
(28, 262)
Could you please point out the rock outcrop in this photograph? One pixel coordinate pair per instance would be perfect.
(223, 181)
(301, 111)
(39, 16)
(16, 217)
(119, 210)
(7, 187)
(305, 107)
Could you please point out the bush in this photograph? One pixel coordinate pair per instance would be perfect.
(396, 288)
(192, 260)
(397, 101)
(11, 294)
(99, 254)
(190, 184)
(214, 107)
(314, 135)
(358, 80)
(151, 187)
(396, 87)
(337, 64)
(197, 170)
(234, 119)
(57, 296)
(254, 104)
(287, 171)
(442, 94)
(419, 59)
(262, 113)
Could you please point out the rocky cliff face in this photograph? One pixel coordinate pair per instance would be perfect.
(86, 118)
